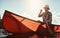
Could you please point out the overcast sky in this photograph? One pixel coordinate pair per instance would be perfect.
(30, 8)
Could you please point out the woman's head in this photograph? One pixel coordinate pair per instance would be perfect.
(46, 8)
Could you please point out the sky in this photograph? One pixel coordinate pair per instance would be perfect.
(31, 8)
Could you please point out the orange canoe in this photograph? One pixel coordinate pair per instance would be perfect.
(17, 24)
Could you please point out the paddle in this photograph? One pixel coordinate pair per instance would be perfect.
(49, 29)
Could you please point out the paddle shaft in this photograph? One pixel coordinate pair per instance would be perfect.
(49, 29)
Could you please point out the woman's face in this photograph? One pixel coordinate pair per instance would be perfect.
(46, 9)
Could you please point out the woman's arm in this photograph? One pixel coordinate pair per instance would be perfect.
(50, 18)
(40, 14)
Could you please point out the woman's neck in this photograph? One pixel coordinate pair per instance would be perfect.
(46, 11)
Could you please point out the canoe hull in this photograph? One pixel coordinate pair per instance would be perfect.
(17, 24)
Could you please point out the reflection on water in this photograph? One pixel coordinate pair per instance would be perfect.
(34, 36)
(31, 36)
(24, 36)
(28, 35)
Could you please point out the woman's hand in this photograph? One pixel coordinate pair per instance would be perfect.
(41, 11)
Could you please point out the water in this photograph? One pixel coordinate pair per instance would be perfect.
(27, 35)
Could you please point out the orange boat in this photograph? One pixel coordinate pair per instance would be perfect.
(17, 24)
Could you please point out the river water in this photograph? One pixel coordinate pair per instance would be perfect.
(27, 35)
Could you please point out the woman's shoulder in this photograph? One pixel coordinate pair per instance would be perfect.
(50, 13)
